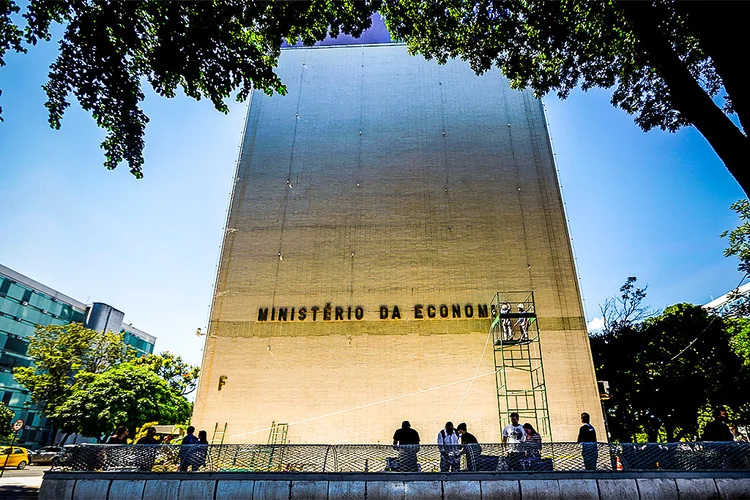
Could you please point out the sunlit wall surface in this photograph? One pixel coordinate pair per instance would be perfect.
(385, 181)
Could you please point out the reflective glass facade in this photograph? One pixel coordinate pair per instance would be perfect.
(141, 345)
(24, 304)
(22, 307)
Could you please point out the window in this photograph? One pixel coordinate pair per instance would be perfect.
(7, 360)
(16, 345)
(4, 287)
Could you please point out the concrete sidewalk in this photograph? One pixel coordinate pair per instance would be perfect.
(14, 487)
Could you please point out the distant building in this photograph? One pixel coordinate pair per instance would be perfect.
(24, 304)
(142, 342)
(734, 303)
(103, 317)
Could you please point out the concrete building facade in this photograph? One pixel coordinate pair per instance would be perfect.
(377, 209)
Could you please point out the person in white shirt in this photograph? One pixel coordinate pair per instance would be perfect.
(523, 323)
(506, 322)
(450, 452)
(513, 435)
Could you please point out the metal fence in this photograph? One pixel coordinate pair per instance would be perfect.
(546, 457)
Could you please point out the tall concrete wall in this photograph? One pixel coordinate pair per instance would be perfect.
(383, 179)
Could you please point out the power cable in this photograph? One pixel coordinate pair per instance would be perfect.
(489, 335)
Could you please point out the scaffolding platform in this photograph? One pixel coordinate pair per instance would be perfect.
(519, 368)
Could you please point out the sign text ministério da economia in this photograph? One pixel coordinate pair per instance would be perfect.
(357, 313)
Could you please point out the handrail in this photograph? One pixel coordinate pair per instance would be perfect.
(486, 457)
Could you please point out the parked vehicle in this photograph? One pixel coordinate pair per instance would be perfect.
(44, 455)
(19, 458)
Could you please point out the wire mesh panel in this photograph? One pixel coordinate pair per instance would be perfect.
(488, 457)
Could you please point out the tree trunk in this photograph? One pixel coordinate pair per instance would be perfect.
(52, 434)
(720, 29)
(687, 96)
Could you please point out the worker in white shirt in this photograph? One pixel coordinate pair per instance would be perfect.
(450, 451)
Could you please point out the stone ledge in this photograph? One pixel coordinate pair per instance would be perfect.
(397, 476)
(395, 486)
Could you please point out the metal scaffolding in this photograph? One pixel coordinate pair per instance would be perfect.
(519, 371)
(278, 433)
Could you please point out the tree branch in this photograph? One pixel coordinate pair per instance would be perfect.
(686, 94)
(720, 29)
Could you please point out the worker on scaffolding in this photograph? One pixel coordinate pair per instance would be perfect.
(507, 324)
(523, 323)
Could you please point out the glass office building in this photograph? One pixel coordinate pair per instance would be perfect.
(24, 304)
(139, 340)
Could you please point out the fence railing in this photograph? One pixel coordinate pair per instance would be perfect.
(338, 458)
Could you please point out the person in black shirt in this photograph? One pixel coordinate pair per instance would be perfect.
(200, 454)
(120, 436)
(407, 441)
(147, 456)
(469, 446)
(149, 438)
(187, 450)
(114, 457)
(587, 436)
(717, 429)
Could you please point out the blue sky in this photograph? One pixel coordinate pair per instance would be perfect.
(645, 204)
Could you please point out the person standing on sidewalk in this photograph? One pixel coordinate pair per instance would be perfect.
(513, 436)
(587, 438)
(407, 441)
(469, 446)
(187, 450)
(717, 429)
(450, 458)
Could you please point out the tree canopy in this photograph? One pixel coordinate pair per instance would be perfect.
(208, 50)
(626, 309)
(738, 239)
(76, 371)
(666, 372)
(60, 354)
(181, 376)
(123, 395)
(670, 63)
(665, 60)
(739, 330)
(6, 416)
